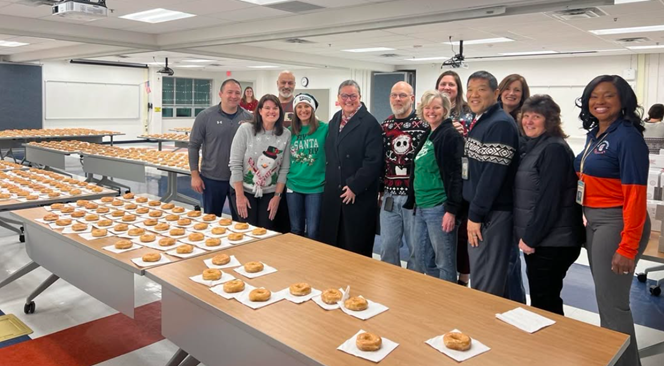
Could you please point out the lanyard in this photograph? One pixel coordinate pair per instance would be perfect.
(586, 152)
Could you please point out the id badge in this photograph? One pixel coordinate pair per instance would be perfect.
(464, 168)
(580, 192)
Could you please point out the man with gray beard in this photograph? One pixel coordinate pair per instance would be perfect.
(286, 86)
(402, 133)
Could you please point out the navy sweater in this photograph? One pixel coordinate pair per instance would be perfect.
(491, 149)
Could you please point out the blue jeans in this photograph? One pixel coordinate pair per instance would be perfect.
(396, 226)
(304, 212)
(214, 196)
(431, 238)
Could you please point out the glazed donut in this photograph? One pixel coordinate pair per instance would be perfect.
(118, 213)
(32, 197)
(178, 209)
(209, 217)
(141, 199)
(166, 242)
(121, 227)
(201, 226)
(81, 203)
(130, 206)
(167, 206)
(91, 217)
(98, 233)
(104, 223)
(234, 286)
(79, 227)
(253, 267)
(57, 206)
(51, 217)
(194, 214)
(129, 218)
(212, 242)
(211, 274)
(178, 231)
(151, 257)
(221, 259)
(155, 213)
(235, 236)
(457, 341)
(107, 200)
(117, 203)
(259, 294)
(54, 194)
(218, 230)
(148, 238)
(103, 209)
(241, 226)
(63, 222)
(368, 342)
(128, 196)
(300, 289)
(154, 203)
(123, 244)
(196, 237)
(150, 222)
(331, 296)
(136, 231)
(161, 227)
(77, 214)
(142, 210)
(356, 303)
(184, 222)
(172, 217)
(225, 222)
(67, 209)
(259, 231)
(91, 206)
(183, 249)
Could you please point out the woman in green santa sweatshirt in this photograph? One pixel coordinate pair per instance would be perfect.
(306, 177)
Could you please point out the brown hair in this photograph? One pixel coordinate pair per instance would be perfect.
(459, 104)
(543, 104)
(296, 125)
(525, 91)
(257, 122)
(244, 95)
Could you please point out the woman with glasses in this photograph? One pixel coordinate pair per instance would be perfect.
(354, 152)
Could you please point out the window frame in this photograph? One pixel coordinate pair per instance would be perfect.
(193, 107)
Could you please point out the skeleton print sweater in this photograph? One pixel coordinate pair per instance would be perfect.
(259, 161)
(400, 138)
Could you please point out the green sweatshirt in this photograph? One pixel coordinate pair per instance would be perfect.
(307, 164)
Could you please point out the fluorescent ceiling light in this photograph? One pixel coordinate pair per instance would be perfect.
(189, 66)
(618, 2)
(528, 53)
(198, 61)
(263, 67)
(481, 41)
(644, 29)
(427, 58)
(652, 47)
(12, 44)
(264, 2)
(157, 16)
(372, 49)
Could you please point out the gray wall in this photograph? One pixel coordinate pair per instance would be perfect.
(20, 96)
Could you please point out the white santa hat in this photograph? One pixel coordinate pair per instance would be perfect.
(305, 98)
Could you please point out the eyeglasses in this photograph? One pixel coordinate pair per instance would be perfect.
(349, 96)
(400, 96)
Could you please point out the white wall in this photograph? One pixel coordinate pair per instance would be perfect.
(654, 79)
(64, 71)
(562, 78)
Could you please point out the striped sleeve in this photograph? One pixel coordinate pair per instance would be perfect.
(633, 160)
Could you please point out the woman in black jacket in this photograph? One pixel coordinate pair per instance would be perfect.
(548, 224)
(435, 187)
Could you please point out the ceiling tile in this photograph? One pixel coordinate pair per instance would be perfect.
(253, 13)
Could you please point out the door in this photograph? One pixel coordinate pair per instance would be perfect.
(381, 85)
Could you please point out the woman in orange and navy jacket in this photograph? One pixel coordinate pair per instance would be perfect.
(613, 172)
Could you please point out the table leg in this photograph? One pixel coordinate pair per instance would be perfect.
(5, 223)
(29, 303)
(190, 361)
(653, 350)
(159, 145)
(172, 193)
(105, 181)
(177, 358)
(19, 273)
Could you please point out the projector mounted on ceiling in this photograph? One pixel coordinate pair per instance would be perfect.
(457, 60)
(167, 70)
(81, 9)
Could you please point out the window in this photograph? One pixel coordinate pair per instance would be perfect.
(185, 98)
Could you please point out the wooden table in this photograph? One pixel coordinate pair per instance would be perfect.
(107, 276)
(218, 331)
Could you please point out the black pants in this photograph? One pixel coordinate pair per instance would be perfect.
(257, 215)
(214, 197)
(546, 270)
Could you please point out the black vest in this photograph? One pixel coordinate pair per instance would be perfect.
(568, 229)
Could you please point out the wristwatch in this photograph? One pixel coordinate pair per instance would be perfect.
(277, 194)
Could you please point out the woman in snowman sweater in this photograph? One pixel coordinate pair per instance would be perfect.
(259, 162)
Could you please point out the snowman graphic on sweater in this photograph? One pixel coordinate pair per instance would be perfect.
(262, 172)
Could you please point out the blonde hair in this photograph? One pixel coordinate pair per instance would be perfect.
(428, 97)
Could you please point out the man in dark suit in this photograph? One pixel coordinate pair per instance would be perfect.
(354, 151)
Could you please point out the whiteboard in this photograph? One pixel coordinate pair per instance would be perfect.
(86, 101)
(565, 96)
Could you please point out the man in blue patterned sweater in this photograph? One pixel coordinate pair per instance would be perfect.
(489, 167)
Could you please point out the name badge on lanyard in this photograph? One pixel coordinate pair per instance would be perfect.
(580, 192)
(581, 186)
(464, 168)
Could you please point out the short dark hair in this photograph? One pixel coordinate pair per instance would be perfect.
(459, 102)
(257, 121)
(525, 91)
(656, 111)
(352, 83)
(229, 81)
(485, 75)
(631, 110)
(543, 104)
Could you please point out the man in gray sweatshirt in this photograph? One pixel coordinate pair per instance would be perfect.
(213, 130)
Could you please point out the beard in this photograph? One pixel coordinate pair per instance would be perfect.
(400, 111)
(285, 93)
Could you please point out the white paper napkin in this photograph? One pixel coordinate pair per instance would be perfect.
(121, 233)
(58, 227)
(155, 245)
(318, 300)
(525, 320)
(168, 234)
(153, 228)
(219, 290)
(226, 242)
(112, 248)
(476, 348)
(299, 299)
(208, 233)
(233, 229)
(139, 262)
(137, 240)
(191, 225)
(44, 221)
(225, 277)
(88, 236)
(196, 251)
(266, 270)
(269, 234)
(185, 239)
(244, 298)
(68, 230)
(373, 310)
(233, 263)
(351, 348)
